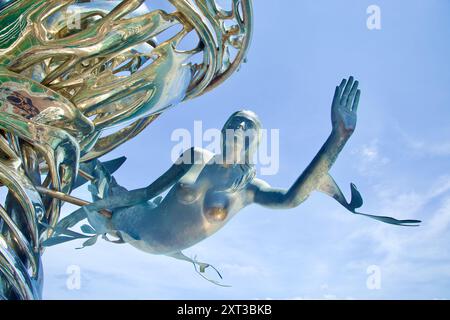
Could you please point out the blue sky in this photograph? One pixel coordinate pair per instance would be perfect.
(398, 158)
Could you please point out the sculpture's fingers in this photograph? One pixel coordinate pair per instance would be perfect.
(347, 89)
(337, 94)
(342, 85)
(352, 95)
(356, 101)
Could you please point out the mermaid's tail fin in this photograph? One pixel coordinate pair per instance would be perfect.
(113, 165)
(70, 221)
(329, 187)
(90, 167)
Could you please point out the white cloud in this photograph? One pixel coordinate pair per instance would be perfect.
(413, 255)
(439, 147)
(370, 158)
(242, 270)
(425, 147)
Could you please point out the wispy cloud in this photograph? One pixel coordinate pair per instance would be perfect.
(413, 255)
(439, 147)
(370, 158)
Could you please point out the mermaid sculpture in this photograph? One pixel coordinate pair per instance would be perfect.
(207, 190)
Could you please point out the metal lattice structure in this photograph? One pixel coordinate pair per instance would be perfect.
(71, 69)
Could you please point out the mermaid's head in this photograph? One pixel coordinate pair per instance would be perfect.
(241, 135)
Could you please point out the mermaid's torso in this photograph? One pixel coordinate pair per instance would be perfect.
(193, 209)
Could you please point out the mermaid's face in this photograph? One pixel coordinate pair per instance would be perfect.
(240, 138)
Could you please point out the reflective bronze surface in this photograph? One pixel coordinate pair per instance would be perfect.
(71, 69)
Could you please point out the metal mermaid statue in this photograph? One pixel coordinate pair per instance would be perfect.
(206, 190)
(78, 78)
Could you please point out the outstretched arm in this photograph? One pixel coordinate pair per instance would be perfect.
(316, 177)
(343, 117)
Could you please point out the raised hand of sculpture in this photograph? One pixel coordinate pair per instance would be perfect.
(207, 190)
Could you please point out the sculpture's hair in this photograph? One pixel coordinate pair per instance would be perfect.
(248, 174)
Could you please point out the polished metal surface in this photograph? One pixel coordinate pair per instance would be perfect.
(69, 70)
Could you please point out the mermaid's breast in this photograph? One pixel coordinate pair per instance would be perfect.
(187, 193)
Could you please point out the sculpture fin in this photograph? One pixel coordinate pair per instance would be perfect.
(114, 165)
(329, 187)
(70, 221)
(111, 166)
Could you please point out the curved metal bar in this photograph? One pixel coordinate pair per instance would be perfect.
(15, 272)
(21, 240)
(111, 142)
(246, 30)
(60, 88)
